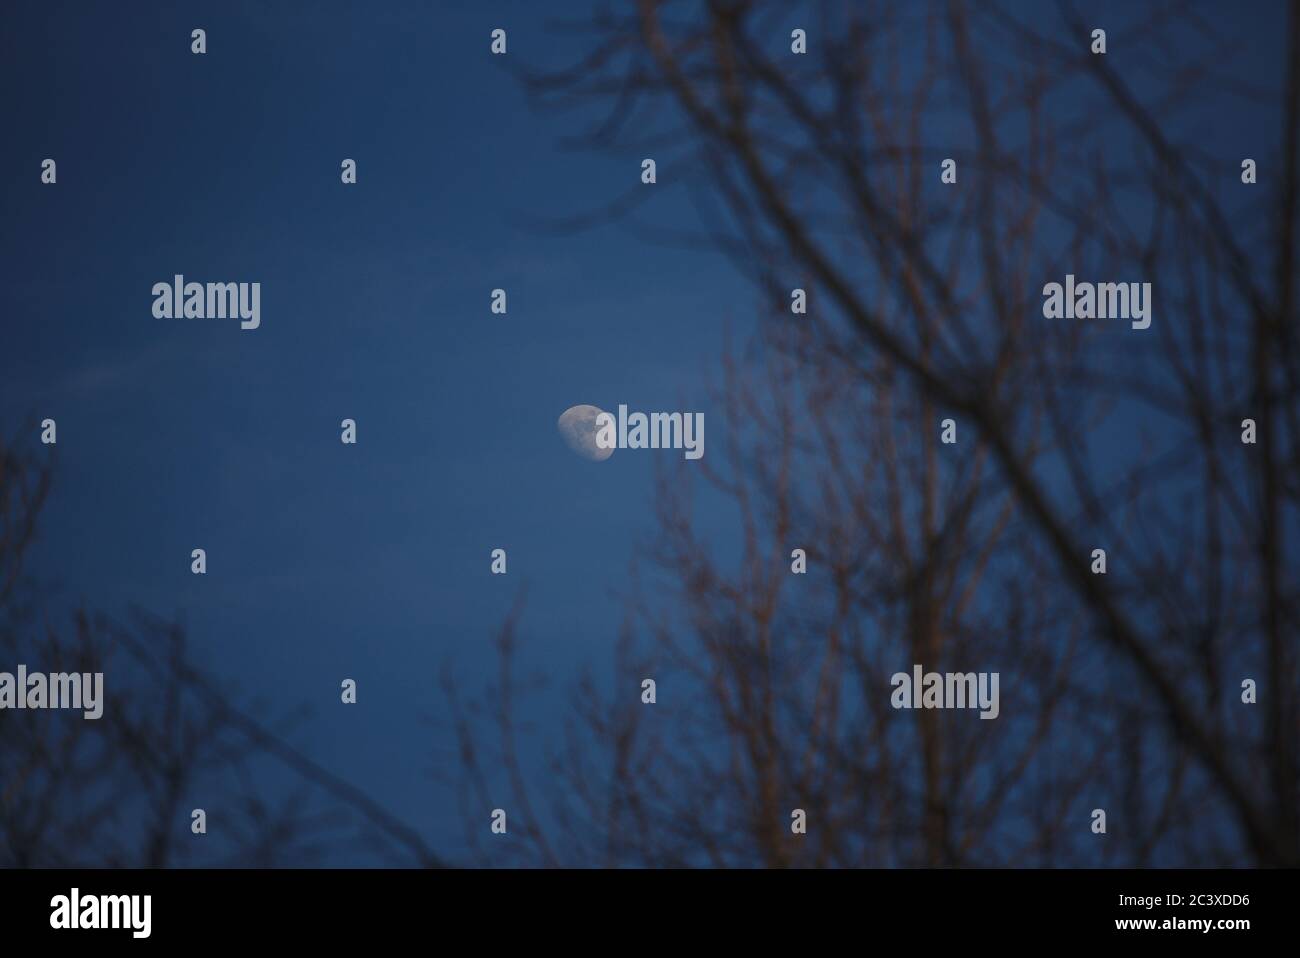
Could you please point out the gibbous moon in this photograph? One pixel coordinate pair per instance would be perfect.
(577, 425)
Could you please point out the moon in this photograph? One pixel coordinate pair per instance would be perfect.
(577, 425)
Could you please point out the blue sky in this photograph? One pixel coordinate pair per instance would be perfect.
(371, 561)
(329, 561)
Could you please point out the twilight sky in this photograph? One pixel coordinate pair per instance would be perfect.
(328, 561)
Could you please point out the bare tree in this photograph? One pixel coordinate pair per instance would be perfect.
(118, 791)
(1124, 690)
